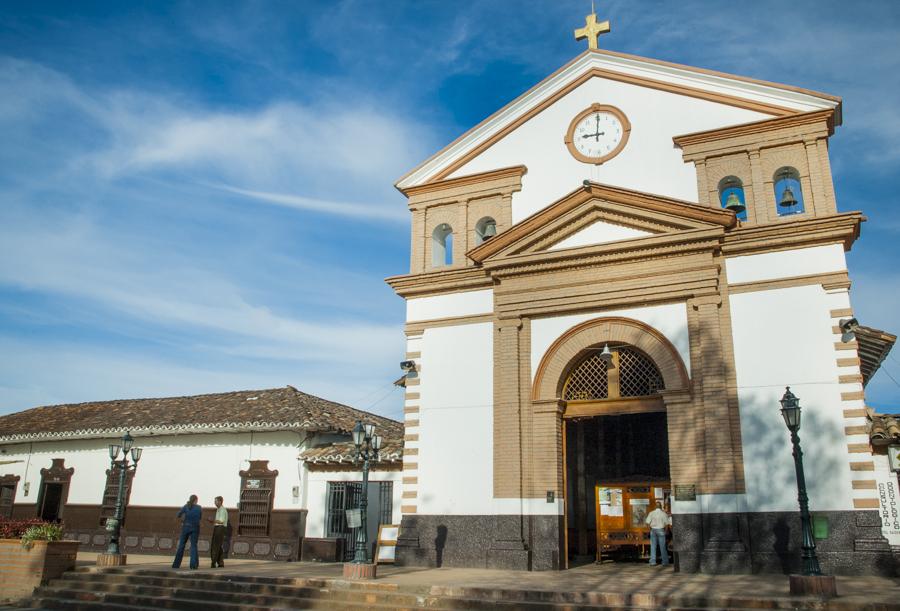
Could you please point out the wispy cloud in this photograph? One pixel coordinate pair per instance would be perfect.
(392, 213)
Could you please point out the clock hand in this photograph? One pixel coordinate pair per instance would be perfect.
(598, 134)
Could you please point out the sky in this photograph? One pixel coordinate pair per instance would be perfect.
(198, 196)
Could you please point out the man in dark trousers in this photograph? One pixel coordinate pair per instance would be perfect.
(190, 528)
(220, 525)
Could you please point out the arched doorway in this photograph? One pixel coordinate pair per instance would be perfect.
(613, 378)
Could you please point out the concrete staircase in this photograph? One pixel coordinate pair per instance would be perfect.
(161, 589)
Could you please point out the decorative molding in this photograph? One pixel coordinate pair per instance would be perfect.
(435, 186)
(781, 283)
(418, 326)
(755, 128)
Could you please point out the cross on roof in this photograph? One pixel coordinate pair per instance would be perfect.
(592, 30)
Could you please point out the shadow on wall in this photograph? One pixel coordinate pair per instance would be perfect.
(439, 542)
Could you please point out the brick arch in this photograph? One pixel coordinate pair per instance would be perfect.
(549, 379)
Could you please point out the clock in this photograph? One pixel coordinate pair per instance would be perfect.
(597, 134)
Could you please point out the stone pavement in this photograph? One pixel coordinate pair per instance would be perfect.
(634, 582)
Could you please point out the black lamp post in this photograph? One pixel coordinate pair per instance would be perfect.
(790, 411)
(114, 524)
(367, 445)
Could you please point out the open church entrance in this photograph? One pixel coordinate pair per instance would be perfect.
(616, 451)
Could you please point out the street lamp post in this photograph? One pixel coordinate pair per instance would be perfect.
(812, 580)
(367, 446)
(113, 555)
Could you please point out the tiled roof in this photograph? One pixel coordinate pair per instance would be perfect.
(345, 452)
(874, 346)
(884, 429)
(276, 409)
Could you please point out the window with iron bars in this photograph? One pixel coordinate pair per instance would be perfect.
(341, 496)
(630, 373)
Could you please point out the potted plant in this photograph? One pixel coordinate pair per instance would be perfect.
(32, 553)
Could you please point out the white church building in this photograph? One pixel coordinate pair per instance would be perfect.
(282, 460)
(612, 280)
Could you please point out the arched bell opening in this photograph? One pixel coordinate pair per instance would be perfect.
(731, 196)
(788, 192)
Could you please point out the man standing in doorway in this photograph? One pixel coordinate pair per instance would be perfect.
(220, 525)
(658, 520)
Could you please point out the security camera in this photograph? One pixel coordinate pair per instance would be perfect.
(848, 326)
(586, 183)
(408, 365)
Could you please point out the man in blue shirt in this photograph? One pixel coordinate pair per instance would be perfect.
(190, 527)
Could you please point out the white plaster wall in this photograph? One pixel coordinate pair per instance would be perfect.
(318, 490)
(783, 338)
(649, 162)
(456, 421)
(786, 264)
(669, 319)
(171, 468)
(599, 233)
(455, 304)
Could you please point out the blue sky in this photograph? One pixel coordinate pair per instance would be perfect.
(197, 196)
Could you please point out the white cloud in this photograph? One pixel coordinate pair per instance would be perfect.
(393, 213)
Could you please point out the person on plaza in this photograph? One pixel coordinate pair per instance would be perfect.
(190, 529)
(658, 520)
(220, 526)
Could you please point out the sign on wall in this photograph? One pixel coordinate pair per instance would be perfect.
(888, 500)
(387, 543)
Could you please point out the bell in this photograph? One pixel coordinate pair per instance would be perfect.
(733, 203)
(490, 230)
(787, 198)
(606, 355)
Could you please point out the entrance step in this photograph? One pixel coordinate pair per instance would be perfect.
(128, 589)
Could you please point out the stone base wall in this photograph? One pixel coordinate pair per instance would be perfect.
(704, 543)
(495, 542)
(154, 530)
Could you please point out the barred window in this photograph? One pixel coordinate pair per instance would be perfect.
(630, 373)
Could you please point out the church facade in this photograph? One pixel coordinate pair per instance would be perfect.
(613, 279)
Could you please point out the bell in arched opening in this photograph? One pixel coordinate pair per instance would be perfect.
(787, 198)
(733, 203)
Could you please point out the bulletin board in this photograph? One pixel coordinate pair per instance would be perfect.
(387, 543)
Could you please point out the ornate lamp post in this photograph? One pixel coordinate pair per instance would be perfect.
(367, 446)
(812, 581)
(113, 556)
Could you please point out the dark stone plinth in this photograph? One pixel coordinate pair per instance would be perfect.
(823, 586)
(112, 559)
(359, 571)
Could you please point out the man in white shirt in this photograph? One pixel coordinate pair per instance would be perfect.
(658, 520)
(220, 525)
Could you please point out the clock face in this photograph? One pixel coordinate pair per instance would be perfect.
(598, 134)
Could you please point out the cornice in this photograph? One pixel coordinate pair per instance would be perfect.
(618, 195)
(637, 249)
(756, 127)
(461, 181)
(840, 228)
(436, 283)
(157, 430)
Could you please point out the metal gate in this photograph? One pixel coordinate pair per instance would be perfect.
(340, 497)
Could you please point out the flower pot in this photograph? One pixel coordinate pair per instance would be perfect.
(23, 569)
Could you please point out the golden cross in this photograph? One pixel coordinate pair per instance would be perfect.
(592, 30)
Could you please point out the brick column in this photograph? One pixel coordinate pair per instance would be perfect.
(758, 208)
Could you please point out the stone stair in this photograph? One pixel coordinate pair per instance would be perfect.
(160, 589)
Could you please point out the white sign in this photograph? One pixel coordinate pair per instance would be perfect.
(888, 502)
(894, 458)
(387, 543)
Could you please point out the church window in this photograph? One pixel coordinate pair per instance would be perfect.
(731, 196)
(788, 192)
(110, 493)
(485, 229)
(629, 373)
(442, 245)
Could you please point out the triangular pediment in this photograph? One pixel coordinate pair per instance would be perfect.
(600, 215)
(756, 100)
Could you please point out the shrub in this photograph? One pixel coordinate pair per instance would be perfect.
(14, 529)
(47, 531)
